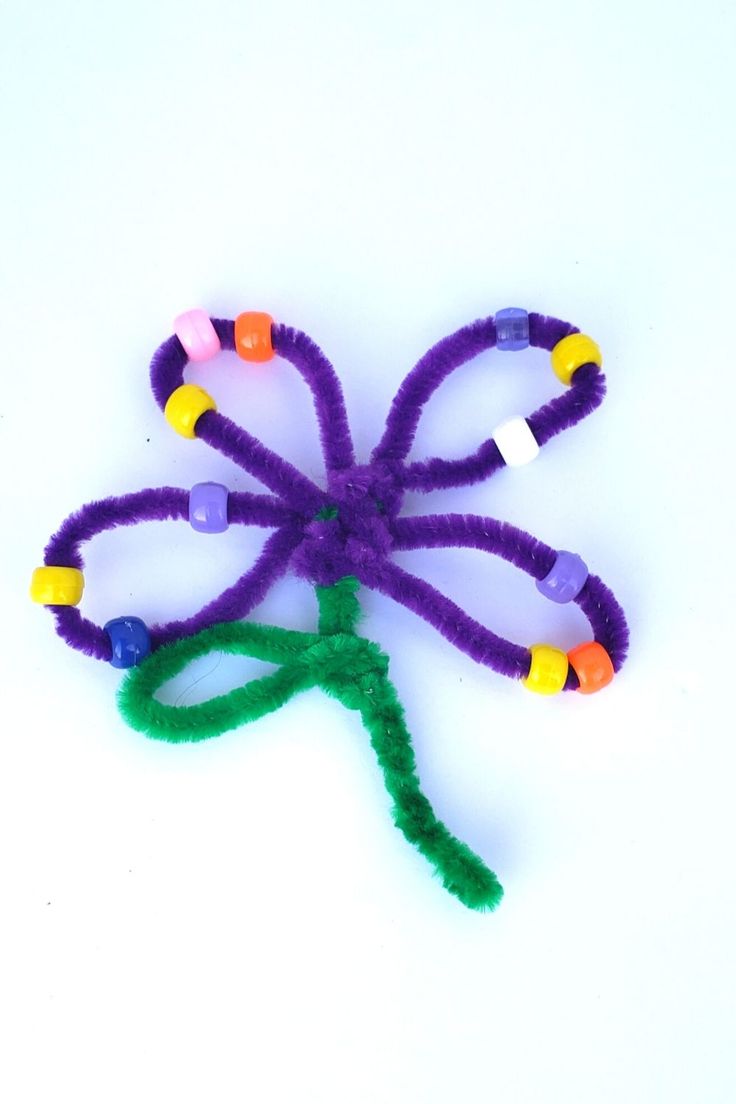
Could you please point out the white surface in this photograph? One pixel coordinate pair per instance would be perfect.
(240, 921)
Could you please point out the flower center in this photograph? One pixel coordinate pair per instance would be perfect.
(354, 531)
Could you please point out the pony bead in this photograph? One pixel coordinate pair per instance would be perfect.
(57, 586)
(565, 580)
(253, 336)
(512, 329)
(186, 406)
(547, 671)
(516, 442)
(130, 641)
(197, 335)
(593, 666)
(572, 353)
(208, 507)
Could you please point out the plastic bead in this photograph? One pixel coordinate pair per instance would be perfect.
(512, 329)
(197, 334)
(208, 507)
(57, 586)
(572, 353)
(566, 579)
(130, 639)
(185, 406)
(592, 664)
(548, 669)
(516, 442)
(253, 336)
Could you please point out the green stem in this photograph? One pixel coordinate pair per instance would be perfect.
(339, 608)
(348, 667)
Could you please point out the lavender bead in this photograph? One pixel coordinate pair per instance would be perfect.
(208, 507)
(567, 578)
(512, 329)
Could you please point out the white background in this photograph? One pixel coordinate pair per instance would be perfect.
(240, 920)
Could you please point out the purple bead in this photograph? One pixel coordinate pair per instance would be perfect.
(130, 641)
(208, 507)
(567, 578)
(512, 329)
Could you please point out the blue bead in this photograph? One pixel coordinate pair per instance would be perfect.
(566, 579)
(208, 507)
(512, 329)
(130, 639)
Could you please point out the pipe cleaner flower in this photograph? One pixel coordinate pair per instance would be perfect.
(338, 538)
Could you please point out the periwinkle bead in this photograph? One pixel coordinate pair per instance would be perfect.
(566, 579)
(208, 507)
(512, 329)
(130, 639)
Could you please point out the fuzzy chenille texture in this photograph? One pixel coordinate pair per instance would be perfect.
(349, 668)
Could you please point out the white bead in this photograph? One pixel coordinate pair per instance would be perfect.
(516, 442)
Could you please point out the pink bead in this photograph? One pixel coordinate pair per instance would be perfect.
(197, 334)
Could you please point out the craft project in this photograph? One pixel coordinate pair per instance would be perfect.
(339, 538)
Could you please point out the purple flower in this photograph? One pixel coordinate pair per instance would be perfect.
(351, 527)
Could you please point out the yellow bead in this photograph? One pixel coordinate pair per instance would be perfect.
(185, 406)
(548, 669)
(571, 353)
(57, 586)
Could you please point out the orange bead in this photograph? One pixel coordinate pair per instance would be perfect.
(592, 664)
(253, 336)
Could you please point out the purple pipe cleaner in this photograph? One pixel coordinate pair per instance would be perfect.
(351, 527)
